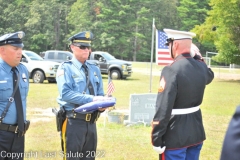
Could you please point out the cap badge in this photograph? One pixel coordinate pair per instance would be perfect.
(24, 77)
(87, 35)
(20, 35)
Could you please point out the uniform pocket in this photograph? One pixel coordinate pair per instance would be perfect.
(79, 84)
(5, 91)
(23, 86)
(96, 81)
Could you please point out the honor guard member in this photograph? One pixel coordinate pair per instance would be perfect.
(231, 143)
(79, 82)
(14, 85)
(177, 127)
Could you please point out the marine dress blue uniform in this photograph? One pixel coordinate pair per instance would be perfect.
(11, 143)
(177, 123)
(79, 134)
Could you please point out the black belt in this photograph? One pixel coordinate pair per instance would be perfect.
(9, 128)
(86, 117)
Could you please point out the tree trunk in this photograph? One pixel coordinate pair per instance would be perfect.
(135, 44)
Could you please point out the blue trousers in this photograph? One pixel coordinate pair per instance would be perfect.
(80, 139)
(188, 153)
(11, 146)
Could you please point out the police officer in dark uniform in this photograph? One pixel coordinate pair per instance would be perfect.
(14, 85)
(231, 143)
(177, 127)
(79, 82)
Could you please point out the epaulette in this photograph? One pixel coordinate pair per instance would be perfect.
(70, 61)
(92, 62)
(66, 62)
(21, 64)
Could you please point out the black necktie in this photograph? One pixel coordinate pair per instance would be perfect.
(18, 103)
(90, 87)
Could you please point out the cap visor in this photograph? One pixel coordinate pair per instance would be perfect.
(85, 44)
(17, 45)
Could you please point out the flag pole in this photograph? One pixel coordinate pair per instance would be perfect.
(153, 30)
(106, 111)
(108, 95)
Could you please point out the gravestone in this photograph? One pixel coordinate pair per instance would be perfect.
(142, 107)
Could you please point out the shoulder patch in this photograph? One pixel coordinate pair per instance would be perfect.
(60, 73)
(162, 84)
(67, 62)
(21, 65)
(92, 62)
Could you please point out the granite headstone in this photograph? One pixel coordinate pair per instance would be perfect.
(142, 107)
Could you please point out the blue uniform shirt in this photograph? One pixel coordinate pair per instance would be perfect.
(71, 82)
(6, 90)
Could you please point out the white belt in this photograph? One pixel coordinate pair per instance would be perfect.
(185, 111)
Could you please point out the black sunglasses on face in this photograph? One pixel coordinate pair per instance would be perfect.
(84, 47)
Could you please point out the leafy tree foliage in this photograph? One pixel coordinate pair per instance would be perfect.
(222, 28)
(124, 27)
(192, 12)
(47, 25)
(121, 27)
(13, 16)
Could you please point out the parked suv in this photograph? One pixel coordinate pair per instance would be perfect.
(39, 69)
(119, 69)
(57, 56)
(60, 56)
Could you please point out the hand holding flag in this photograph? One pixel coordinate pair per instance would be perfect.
(96, 105)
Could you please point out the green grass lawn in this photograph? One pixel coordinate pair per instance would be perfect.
(116, 141)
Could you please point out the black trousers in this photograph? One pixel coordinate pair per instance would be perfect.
(11, 146)
(80, 139)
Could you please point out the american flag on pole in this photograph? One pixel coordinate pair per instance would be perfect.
(163, 57)
(110, 87)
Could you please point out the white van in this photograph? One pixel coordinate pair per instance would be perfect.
(39, 69)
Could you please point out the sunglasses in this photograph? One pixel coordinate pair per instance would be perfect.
(82, 47)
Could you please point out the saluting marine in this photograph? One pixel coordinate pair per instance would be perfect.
(14, 86)
(178, 131)
(79, 82)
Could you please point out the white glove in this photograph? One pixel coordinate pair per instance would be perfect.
(159, 150)
(195, 51)
(101, 98)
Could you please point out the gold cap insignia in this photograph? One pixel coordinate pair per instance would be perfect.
(87, 35)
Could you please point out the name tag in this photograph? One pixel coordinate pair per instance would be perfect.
(3, 81)
(75, 76)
